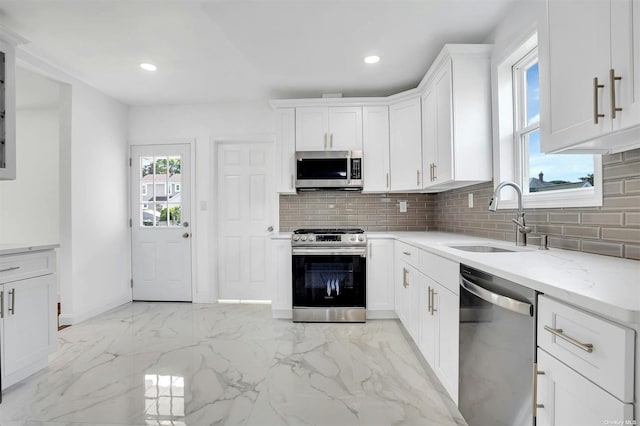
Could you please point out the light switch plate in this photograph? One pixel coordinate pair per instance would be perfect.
(470, 201)
(403, 206)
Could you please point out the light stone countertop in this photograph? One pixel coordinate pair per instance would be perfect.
(602, 284)
(25, 248)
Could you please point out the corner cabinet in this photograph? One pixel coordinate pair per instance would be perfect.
(28, 324)
(280, 270)
(406, 145)
(328, 129)
(589, 54)
(456, 118)
(7, 111)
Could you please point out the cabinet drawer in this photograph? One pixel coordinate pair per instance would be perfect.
(408, 253)
(21, 266)
(609, 362)
(443, 271)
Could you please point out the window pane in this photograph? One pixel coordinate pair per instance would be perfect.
(533, 94)
(550, 172)
(174, 215)
(146, 214)
(146, 166)
(161, 214)
(161, 165)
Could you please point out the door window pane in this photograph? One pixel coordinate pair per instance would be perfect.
(160, 191)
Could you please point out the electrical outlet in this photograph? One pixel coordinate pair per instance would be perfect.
(470, 201)
(403, 206)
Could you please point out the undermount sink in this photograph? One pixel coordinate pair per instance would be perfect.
(483, 249)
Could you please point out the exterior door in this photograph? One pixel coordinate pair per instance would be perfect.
(245, 200)
(161, 231)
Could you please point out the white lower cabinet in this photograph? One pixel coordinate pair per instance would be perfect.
(28, 323)
(407, 298)
(380, 288)
(585, 367)
(281, 280)
(567, 398)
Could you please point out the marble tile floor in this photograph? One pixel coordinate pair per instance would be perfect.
(194, 364)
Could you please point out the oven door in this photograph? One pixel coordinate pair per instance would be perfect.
(329, 277)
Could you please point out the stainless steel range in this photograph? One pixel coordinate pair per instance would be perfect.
(329, 275)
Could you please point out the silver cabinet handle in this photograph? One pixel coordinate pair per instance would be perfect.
(418, 177)
(429, 299)
(405, 281)
(596, 114)
(505, 302)
(612, 83)
(331, 141)
(387, 180)
(12, 306)
(325, 141)
(536, 373)
(1, 304)
(13, 268)
(406, 253)
(433, 301)
(291, 182)
(435, 171)
(430, 172)
(587, 347)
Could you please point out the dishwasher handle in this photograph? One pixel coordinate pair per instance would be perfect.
(505, 302)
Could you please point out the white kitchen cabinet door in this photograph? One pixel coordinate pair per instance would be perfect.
(567, 398)
(345, 129)
(281, 280)
(380, 288)
(29, 327)
(443, 170)
(328, 129)
(286, 150)
(625, 62)
(429, 135)
(405, 125)
(580, 42)
(446, 307)
(401, 273)
(312, 128)
(375, 146)
(8, 122)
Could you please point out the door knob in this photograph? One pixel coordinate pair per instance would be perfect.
(185, 235)
(270, 229)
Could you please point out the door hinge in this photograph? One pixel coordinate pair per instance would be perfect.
(130, 161)
(131, 282)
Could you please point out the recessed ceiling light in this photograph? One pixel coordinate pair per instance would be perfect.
(148, 67)
(373, 59)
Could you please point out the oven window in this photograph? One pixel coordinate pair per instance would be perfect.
(329, 281)
(324, 168)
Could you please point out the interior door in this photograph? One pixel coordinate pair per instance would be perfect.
(245, 200)
(161, 231)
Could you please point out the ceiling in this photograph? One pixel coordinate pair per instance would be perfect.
(227, 50)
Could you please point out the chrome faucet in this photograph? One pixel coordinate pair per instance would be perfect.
(521, 228)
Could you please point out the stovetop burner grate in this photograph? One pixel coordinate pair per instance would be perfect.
(338, 231)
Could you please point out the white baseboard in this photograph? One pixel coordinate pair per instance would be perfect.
(381, 314)
(282, 313)
(75, 318)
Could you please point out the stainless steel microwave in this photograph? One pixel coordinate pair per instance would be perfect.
(317, 170)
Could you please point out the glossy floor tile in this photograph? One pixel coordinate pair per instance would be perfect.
(193, 364)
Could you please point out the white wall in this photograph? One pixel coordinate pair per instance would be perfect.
(202, 124)
(30, 204)
(94, 261)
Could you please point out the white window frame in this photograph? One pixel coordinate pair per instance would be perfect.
(507, 152)
(144, 189)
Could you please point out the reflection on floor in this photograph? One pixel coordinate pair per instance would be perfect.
(184, 364)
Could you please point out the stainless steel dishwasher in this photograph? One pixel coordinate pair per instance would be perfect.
(497, 350)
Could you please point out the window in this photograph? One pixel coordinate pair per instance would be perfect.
(547, 180)
(157, 208)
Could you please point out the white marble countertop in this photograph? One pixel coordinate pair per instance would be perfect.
(602, 284)
(25, 248)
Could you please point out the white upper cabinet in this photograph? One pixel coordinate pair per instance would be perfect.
(405, 145)
(456, 118)
(375, 121)
(328, 129)
(7, 110)
(286, 147)
(589, 75)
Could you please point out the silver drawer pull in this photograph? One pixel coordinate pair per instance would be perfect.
(406, 253)
(13, 268)
(587, 347)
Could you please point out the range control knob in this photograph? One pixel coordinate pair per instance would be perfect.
(352, 238)
(311, 238)
(304, 238)
(296, 237)
(360, 238)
